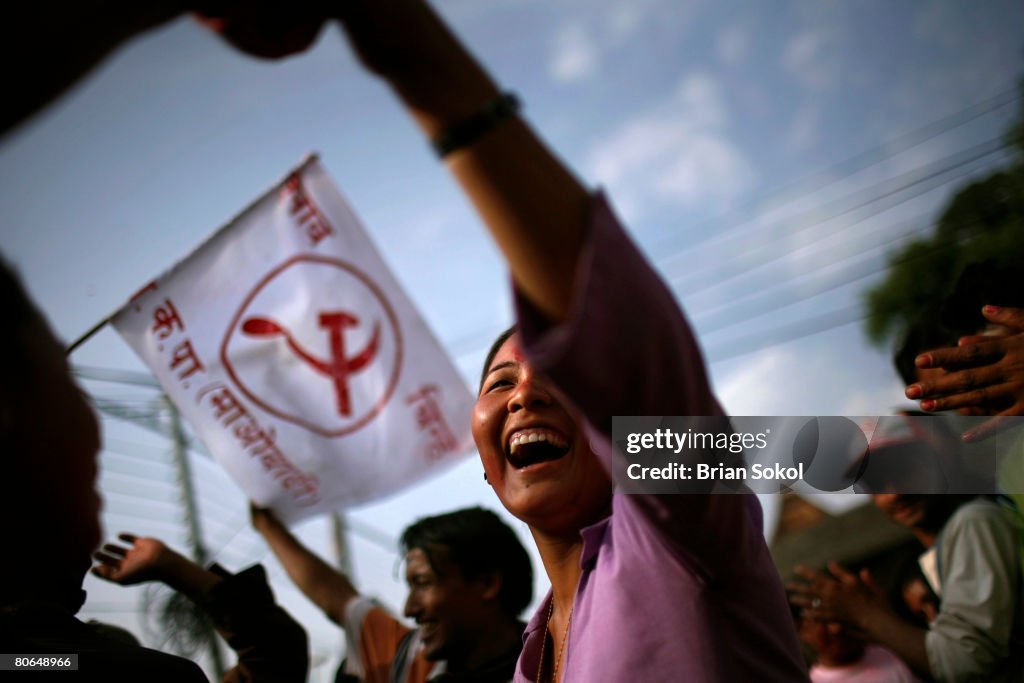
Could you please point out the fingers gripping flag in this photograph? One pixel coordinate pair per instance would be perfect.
(295, 355)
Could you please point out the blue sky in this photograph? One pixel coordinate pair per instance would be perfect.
(695, 117)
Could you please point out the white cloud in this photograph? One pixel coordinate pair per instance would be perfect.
(623, 21)
(701, 99)
(806, 127)
(807, 379)
(678, 153)
(626, 21)
(940, 23)
(580, 47)
(633, 146)
(753, 389)
(431, 225)
(575, 55)
(806, 58)
(732, 45)
(709, 167)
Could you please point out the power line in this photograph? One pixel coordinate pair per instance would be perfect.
(846, 316)
(760, 340)
(849, 167)
(815, 325)
(930, 175)
(474, 342)
(804, 328)
(828, 281)
(755, 305)
(832, 319)
(769, 259)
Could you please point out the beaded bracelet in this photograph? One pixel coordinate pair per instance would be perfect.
(472, 128)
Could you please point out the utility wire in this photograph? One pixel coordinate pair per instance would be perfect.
(472, 343)
(819, 180)
(738, 310)
(760, 302)
(767, 259)
(783, 334)
(930, 175)
(754, 342)
(811, 326)
(804, 328)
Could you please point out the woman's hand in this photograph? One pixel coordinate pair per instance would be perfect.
(268, 30)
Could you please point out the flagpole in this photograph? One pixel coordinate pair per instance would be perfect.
(85, 337)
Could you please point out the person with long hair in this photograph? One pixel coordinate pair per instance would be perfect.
(644, 587)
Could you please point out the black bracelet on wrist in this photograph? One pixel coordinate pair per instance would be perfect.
(472, 128)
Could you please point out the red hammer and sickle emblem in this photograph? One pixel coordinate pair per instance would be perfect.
(339, 367)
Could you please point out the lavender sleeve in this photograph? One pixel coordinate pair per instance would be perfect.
(627, 349)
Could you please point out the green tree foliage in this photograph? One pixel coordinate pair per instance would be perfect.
(984, 220)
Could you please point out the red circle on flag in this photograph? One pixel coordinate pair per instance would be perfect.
(315, 343)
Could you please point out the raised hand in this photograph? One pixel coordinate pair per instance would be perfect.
(144, 559)
(268, 30)
(149, 559)
(260, 517)
(984, 375)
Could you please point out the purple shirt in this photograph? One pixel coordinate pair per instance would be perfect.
(674, 587)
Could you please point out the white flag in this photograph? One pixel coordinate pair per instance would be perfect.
(295, 355)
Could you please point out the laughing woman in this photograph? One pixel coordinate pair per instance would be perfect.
(644, 587)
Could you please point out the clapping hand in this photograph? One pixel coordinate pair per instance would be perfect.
(840, 596)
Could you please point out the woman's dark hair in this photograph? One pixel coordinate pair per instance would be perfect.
(16, 312)
(502, 338)
(477, 542)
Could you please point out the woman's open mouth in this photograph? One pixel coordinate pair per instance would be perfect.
(531, 446)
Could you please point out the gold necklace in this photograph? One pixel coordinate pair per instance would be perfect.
(544, 642)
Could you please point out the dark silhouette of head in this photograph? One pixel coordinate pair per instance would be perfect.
(49, 440)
